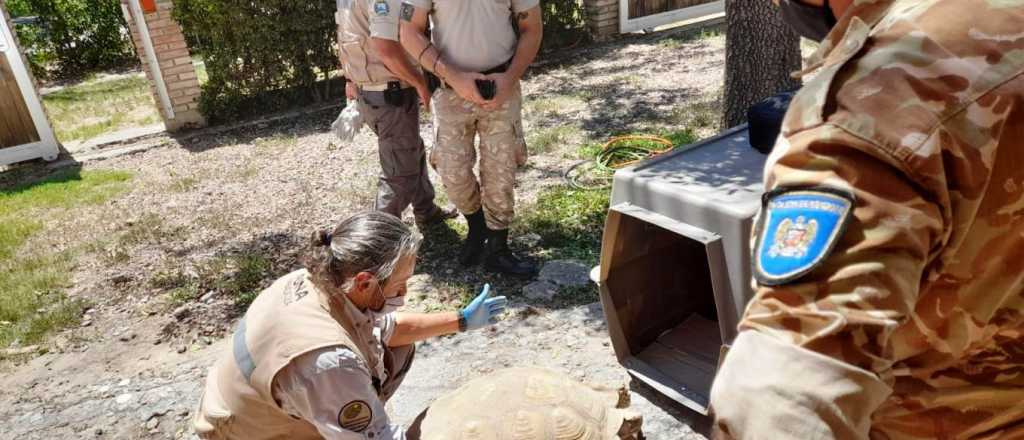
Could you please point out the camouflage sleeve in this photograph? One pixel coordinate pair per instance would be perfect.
(813, 358)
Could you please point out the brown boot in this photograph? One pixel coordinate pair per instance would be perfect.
(439, 215)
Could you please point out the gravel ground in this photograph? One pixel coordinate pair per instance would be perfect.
(116, 394)
(136, 370)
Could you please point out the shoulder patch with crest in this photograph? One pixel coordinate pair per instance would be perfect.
(798, 228)
(381, 8)
(355, 416)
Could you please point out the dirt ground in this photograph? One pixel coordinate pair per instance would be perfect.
(135, 367)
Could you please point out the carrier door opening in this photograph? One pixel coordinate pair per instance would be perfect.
(659, 281)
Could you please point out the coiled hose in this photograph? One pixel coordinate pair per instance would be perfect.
(597, 173)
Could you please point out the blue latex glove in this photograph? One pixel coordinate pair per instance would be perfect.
(483, 311)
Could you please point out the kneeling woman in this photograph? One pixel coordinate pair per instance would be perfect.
(320, 351)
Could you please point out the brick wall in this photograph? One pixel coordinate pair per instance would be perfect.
(178, 73)
(602, 17)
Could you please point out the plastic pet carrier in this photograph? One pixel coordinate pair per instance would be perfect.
(675, 270)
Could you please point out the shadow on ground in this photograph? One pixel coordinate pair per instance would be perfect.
(619, 106)
(697, 421)
(287, 126)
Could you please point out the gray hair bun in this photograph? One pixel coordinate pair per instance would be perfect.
(322, 238)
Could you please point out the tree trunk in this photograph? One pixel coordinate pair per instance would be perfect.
(761, 51)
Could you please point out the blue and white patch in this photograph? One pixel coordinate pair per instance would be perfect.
(797, 230)
(381, 8)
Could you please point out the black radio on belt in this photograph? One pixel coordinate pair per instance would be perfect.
(394, 95)
(433, 82)
(486, 88)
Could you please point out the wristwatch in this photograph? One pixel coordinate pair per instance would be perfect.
(462, 322)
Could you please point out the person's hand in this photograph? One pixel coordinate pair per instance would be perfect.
(424, 93)
(350, 90)
(483, 311)
(464, 84)
(504, 84)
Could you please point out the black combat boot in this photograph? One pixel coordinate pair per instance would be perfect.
(473, 248)
(501, 259)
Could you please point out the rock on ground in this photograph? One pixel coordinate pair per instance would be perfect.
(555, 275)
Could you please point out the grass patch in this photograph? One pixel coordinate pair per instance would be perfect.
(546, 139)
(246, 172)
(61, 191)
(677, 41)
(451, 295)
(114, 254)
(150, 228)
(557, 103)
(14, 232)
(239, 277)
(185, 184)
(244, 283)
(277, 141)
(702, 116)
(32, 302)
(32, 299)
(569, 221)
(64, 190)
(99, 106)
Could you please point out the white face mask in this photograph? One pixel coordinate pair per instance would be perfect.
(390, 304)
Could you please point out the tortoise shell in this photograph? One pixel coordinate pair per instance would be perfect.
(531, 404)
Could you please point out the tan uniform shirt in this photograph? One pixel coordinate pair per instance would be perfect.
(265, 386)
(912, 326)
(474, 35)
(315, 385)
(358, 21)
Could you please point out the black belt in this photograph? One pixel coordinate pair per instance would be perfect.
(395, 95)
(391, 86)
(502, 68)
(433, 82)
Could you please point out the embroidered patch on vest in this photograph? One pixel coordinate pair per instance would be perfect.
(798, 228)
(381, 8)
(355, 416)
(295, 291)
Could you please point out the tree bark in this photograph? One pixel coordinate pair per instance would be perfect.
(761, 51)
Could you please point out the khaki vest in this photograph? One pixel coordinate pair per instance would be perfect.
(361, 64)
(286, 320)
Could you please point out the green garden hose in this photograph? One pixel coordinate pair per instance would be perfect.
(598, 172)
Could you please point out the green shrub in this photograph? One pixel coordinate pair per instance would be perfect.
(564, 24)
(261, 56)
(272, 54)
(73, 37)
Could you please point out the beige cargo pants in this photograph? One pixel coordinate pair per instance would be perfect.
(502, 151)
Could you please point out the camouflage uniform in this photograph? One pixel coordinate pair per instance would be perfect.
(912, 327)
(477, 37)
(457, 122)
